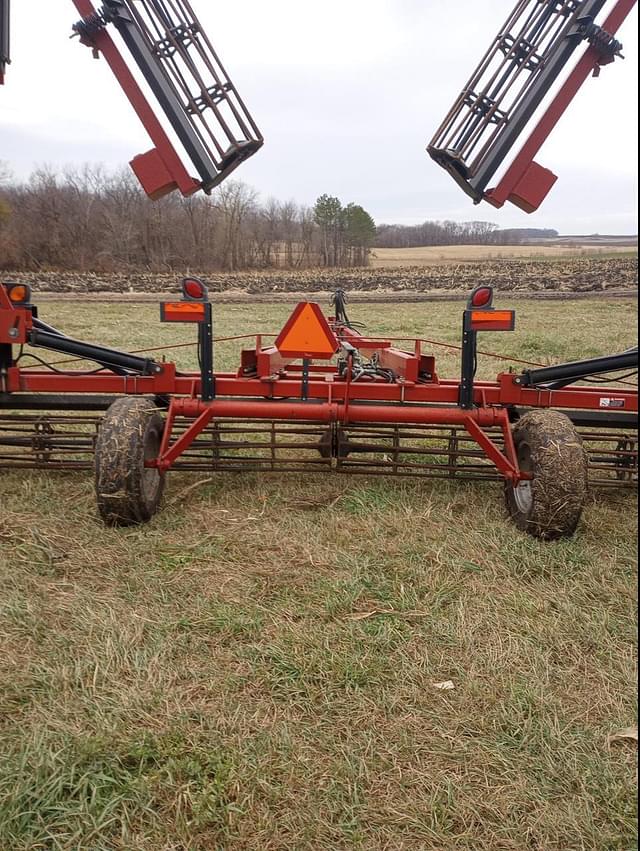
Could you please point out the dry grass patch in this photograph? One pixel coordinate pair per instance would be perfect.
(390, 258)
(246, 674)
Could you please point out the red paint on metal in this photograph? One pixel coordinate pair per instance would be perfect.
(328, 412)
(409, 367)
(504, 392)
(405, 365)
(15, 321)
(515, 178)
(168, 429)
(202, 413)
(575, 398)
(5, 301)
(172, 453)
(153, 178)
(509, 443)
(153, 174)
(532, 188)
(263, 363)
(508, 467)
(15, 326)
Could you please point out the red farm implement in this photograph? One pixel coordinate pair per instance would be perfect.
(322, 398)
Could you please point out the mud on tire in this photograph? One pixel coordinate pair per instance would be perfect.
(550, 505)
(128, 492)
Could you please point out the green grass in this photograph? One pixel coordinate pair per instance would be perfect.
(545, 331)
(256, 668)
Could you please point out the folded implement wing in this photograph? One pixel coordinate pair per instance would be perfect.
(509, 87)
(206, 114)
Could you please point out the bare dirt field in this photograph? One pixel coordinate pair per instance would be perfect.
(261, 668)
(385, 258)
(522, 276)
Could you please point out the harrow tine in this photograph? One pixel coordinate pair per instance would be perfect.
(66, 442)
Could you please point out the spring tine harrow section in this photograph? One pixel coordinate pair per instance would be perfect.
(513, 84)
(324, 399)
(219, 133)
(66, 442)
(183, 71)
(505, 89)
(47, 441)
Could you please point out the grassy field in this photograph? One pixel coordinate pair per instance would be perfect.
(259, 668)
(391, 258)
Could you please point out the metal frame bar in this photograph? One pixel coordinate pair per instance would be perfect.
(507, 390)
(529, 52)
(587, 65)
(202, 413)
(468, 361)
(160, 171)
(179, 64)
(205, 353)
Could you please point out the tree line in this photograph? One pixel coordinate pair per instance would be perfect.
(455, 233)
(87, 219)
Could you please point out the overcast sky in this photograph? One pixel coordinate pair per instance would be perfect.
(347, 94)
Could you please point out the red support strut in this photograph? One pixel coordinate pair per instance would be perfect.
(526, 183)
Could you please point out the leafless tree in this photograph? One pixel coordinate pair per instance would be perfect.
(234, 201)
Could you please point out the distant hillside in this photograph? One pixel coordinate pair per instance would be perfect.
(445, 234)
(513, 236)
(455, 233)
(593, 239)
(549, 236)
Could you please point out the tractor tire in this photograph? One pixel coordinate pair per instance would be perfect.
(549, 505)
(128, 493)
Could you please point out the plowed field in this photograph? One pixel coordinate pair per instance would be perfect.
(578, 275)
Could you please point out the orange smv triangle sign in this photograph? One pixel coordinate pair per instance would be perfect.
(307, 334)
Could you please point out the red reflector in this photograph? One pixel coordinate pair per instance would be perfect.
(193, 288)
(183, 311)
(481, 297)
(493, 320)
(19, 293)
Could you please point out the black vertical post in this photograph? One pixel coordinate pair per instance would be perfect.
(205, 344)
(6, 361)
(5, 57)
(469, 345)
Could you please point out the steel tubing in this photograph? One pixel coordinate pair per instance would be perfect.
(332, 412)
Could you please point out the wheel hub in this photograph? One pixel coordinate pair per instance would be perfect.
(523, 495)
